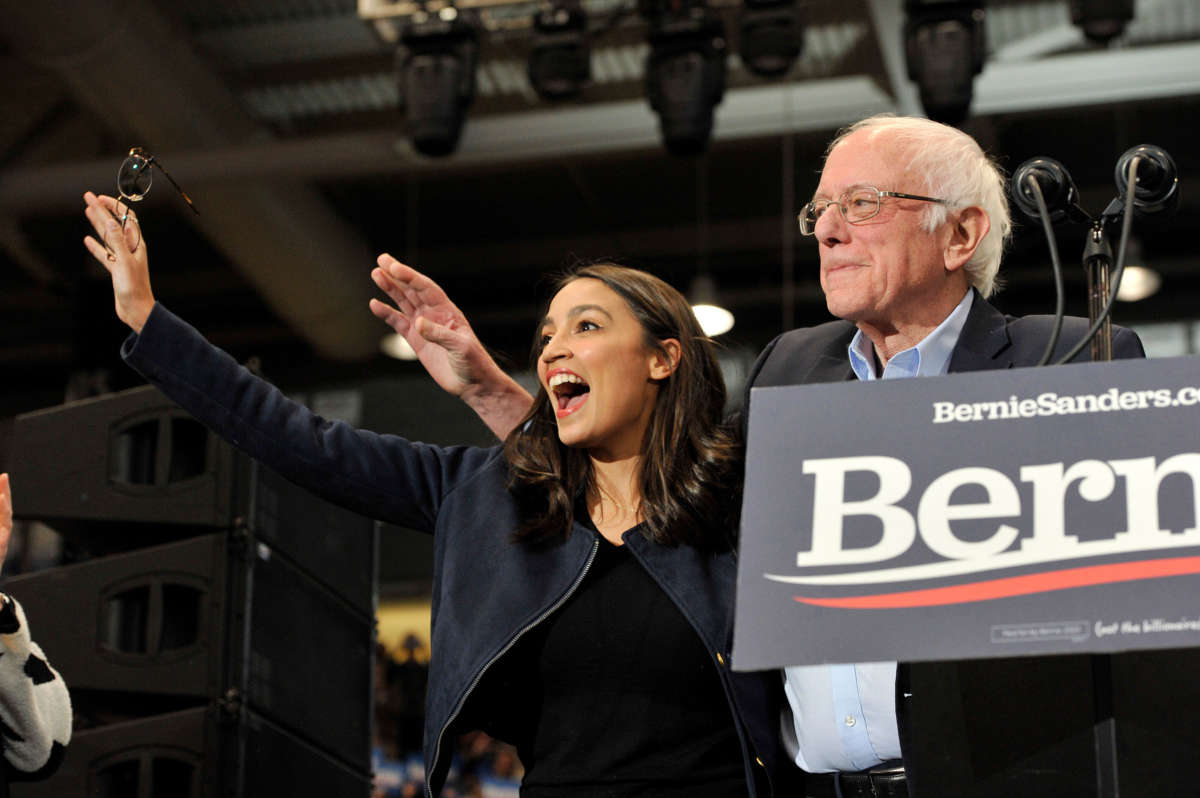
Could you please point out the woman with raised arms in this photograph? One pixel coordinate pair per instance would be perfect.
(584, 571)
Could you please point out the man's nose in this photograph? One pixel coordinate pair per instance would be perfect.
(831, 226)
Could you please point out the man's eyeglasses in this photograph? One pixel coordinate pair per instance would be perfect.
(857, 205)
(133, 183)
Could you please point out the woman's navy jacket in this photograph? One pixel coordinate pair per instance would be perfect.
(487, 590)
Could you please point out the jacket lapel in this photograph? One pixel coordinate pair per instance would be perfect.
(832, 364)
(983, 344)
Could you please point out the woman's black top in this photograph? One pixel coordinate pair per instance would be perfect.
(613, 695)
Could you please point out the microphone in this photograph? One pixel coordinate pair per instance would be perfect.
(1156, 188)
(1058, 190)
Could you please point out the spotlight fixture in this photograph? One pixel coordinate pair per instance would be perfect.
(1101, 20)
(560, 63)
(436, 72)
(772, 33)
(685, 76)
(945, 46)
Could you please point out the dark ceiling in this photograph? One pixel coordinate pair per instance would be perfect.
(279, 117)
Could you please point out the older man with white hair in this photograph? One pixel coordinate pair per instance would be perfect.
(910, 219)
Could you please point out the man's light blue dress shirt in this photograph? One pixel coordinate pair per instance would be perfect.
(843, 717)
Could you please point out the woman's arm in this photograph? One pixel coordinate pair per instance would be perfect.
(381, 476)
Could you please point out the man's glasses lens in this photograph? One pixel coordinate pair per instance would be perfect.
(808, 218)
(861, 205)
(856, 206)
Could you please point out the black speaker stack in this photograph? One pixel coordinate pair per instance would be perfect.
(216, 623)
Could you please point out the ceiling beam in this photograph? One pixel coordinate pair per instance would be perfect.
(130, 67)
(1004, 87)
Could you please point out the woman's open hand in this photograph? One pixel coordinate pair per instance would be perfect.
(124, 257)
(433, 326)
(446, 345)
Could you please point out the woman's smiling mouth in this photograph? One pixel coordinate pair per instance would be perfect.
(570, 391)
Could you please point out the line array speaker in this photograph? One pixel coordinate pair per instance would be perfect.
(196, 753)
(132, 469)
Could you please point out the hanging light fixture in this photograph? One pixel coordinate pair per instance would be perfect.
(1138, 281)
(772, 35)
(685, 75)
(1101, 20)
(713, 317)
(561, 57)
(436, 73)
(945, 47)
(394, 345)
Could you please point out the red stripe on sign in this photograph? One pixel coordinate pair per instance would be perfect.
(1014, 585)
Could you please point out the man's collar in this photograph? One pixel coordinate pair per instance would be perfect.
(930, 357)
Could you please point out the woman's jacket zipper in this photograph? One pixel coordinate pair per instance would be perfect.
(437, 751)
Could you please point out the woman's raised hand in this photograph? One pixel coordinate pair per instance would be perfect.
(446, 345)
(433, 326)
(124, 258)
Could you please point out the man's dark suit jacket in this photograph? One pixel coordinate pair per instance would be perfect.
(1024, 726)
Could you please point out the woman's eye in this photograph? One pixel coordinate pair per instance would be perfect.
(584, 326)
(543, 342)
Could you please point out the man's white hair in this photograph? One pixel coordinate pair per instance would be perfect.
(956, 169)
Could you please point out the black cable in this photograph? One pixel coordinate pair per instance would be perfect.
(1056, 266)
(1126, 225)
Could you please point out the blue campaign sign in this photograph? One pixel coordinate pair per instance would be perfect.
(990, 514)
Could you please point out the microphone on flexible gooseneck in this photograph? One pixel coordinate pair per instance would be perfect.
(1157, 182)
(1042, 190)
(1057, 189)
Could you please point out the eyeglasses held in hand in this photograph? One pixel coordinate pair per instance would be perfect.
(134, 179)
(857, 205)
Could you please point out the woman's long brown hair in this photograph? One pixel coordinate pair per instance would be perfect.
(690, 476)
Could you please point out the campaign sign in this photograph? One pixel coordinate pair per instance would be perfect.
(990, 514)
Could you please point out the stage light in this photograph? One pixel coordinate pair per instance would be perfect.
(395, 345)
(1139, 281)
(772, 34)
(1101, 20)
(685, 76)
(945, 47)
(560, 63)
(713, 317)
(436, 72)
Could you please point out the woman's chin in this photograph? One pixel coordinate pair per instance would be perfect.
(569, 435)
(571, 441)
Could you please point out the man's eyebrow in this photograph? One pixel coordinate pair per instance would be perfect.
(846, 190)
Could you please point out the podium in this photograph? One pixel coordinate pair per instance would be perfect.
(1026, 543)
(216, 627)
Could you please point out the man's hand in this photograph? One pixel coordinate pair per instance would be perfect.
(130, 269)
(446, 346)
